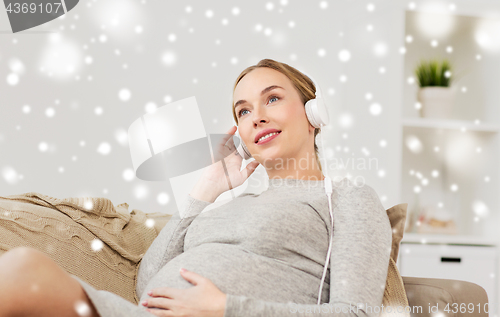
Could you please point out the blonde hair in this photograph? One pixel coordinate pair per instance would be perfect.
(304, 86)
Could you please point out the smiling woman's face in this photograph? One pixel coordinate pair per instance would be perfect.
(277, 108)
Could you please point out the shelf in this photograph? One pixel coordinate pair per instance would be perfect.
(461, 125)
(422, 238)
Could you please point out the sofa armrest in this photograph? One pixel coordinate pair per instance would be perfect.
(464, 298)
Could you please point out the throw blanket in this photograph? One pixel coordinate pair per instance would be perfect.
(64, 229)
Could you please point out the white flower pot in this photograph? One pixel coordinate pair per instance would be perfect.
(436, 102)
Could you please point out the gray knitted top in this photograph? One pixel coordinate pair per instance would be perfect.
(267, 252)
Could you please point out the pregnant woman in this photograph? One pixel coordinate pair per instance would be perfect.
(257, 255)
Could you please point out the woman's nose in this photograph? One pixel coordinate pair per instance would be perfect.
(259, 114)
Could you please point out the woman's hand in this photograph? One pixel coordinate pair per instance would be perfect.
(218, 177)
(202, 299)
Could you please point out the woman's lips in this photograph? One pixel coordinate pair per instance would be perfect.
(269, 139)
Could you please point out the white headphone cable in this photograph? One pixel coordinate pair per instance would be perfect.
(328, 190)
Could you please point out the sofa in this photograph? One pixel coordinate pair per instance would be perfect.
(103, 244)
(463, 297)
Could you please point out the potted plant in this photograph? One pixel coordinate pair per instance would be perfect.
(435, 94)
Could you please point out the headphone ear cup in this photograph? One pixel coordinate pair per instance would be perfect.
(316, 112)
(242, 149)
(322, 113)
(309, 112)
(247, 152)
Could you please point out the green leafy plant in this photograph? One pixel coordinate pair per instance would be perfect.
(434, 73)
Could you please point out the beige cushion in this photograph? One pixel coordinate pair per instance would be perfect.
(64, 231)
(428, 292)
(397, 217)
(395, 293)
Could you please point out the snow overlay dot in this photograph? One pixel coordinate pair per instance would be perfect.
(141, 191)
(10, 175)
(12, 79)
(163, 198)
(104, 148)
(169, 58)
(344, 55)
(128, 174)
(124, 94)
(121, 136)
(96, 245)
(50, 112)
(82, 308)
(43, 147)
(375, 109)
(150, 223)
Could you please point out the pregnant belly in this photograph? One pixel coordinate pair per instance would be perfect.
(239, 272)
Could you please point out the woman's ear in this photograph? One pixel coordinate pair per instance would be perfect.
(311, 128)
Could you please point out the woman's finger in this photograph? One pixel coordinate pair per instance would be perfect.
(161, 312)
(163, 292)
(155, 312)
(249, 169)
(160, 302)
(151, 311)
(229, 134)
(231, 130)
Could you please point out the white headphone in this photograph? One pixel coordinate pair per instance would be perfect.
(317, 114)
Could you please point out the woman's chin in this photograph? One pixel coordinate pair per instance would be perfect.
(272, 161)
(269, 154)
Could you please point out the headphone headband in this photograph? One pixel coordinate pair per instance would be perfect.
(318, 90)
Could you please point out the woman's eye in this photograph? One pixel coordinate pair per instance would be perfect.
(239, 113)
(272, 97)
